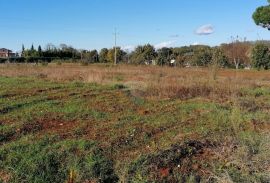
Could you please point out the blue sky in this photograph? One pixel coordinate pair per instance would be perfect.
(90, 24)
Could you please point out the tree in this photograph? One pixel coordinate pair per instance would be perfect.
(103, 55)
(94, 56)
(202, 56)
(164, 56)
(183, 55)
(91, 56)
(32, 48)
(23, 50)
(219, 58)
(260, 56)
(39, 51)
(143, 54)
(262, 16)
(50, 47)
(120, 54)
(237, 52)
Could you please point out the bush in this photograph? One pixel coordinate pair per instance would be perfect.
(261, 56)
(119, 86)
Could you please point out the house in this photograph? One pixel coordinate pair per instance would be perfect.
(6, 53)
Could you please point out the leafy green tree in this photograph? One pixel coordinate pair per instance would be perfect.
(39, 51)
(103, 55)
(183, 55)
(93, 56)
(110, 55)
(23, 50)
(32, 48)
(219, 58)
(143, 54)
(262, 16)
(164, 56)
(260, 56)
(120, 54)
(90, 56)
(202, 56)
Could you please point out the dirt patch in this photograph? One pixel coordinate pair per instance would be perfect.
(259, 126)
(62, 128)
(4, 176)
(249, 105)
(184, 160)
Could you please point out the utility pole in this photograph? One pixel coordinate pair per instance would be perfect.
(115, 49)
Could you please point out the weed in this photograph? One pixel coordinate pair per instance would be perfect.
(46, 160)
(75, 120)
(119, 86)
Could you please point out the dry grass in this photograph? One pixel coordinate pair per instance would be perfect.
(161, 82)
(230, 111)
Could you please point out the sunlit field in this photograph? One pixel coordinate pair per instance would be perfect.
(103, 123)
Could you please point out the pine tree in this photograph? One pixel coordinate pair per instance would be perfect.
(32, 48)
(23, 50)
(39, 51)
(262, 16)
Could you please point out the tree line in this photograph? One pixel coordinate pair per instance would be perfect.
(237, 54)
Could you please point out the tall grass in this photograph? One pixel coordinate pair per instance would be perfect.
(162, 82)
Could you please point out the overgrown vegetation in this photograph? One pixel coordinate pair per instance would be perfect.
(238, 54)
(51, 160)
(133, 124)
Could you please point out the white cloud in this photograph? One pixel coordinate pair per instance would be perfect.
(165, 44)
(205, 30)
(196, 43)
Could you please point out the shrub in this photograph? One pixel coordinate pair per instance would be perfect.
(261, 56)
(119, 86)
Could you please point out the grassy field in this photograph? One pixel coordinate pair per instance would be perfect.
(98, 123)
